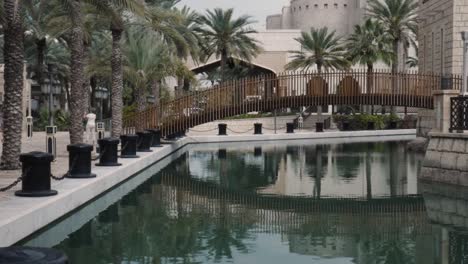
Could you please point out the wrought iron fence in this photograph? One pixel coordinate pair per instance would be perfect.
(458, 114)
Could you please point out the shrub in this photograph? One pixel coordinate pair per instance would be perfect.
(359, 121)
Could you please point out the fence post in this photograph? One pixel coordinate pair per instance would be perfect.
(442, 109)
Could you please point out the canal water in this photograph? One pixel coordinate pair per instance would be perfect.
(271, 203)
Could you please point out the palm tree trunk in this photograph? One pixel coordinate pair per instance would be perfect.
(319, 107)
(76, 100)
(117, 83)
(155, 89)
(395, 65)
(370, 82)
(13, 75)
(140, 98)
(86, 82)
(224, 58)
(41, 46)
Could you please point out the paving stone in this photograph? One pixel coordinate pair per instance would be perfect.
(457, 220)
(448, 161)
(446, 144)
(462, 208)
(459, 145)
(432, 159)
(433, 144)
(463, 179)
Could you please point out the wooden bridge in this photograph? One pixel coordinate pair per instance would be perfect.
(291, 90)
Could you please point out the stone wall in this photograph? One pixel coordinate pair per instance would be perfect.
(426, 122)
(446, 204)
(440, 43)
(341, 15)
(446, 159)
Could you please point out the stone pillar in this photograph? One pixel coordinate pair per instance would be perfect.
(442, 109)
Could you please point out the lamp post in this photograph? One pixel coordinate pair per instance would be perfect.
(101, 94)
(464, 35)
(51, 130)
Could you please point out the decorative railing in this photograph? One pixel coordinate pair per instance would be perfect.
(458, 114)
(292, 89)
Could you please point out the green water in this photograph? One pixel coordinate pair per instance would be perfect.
(247, 203)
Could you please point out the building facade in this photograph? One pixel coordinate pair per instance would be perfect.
(338, 15)
(440, 44)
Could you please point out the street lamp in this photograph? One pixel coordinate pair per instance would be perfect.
(464, 35)
(102, 94)
(49, 87)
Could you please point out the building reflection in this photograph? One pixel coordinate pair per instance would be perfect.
(447, 209)
(356, 170)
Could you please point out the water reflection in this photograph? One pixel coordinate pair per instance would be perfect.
(294, 204)
(359, 169)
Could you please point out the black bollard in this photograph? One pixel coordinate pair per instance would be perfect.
(129, 147)
(109, 152)
(110, 215)
(289, 128)
(156, 137)
(222, 129)
(258, 128)
(144, 141)
(222, 154)
(30, 255)
(319, 127)
(79, 161)
(258, 151)
(346, 126)
(371, 125)
(36, 175)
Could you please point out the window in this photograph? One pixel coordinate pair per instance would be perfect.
(307, 6)
(442, 68)
(316, 5)
(345, 5)
(300, 8)
(326, 5)
(432, 52)
(336, 5)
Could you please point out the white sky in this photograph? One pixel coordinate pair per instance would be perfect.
(259, 9)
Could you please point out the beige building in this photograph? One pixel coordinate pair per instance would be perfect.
(440, 43)
(338, 15)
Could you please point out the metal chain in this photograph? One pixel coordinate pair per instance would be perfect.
(279, 128)
(124, 146)
(18, 180)
(202, 131)
(237, 132)
(68, 172)
(4, 189)
(100, 155)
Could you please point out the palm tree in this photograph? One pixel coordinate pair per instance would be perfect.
(225, 37)
(146, 59)
(36, 23)
(398, 18)
(320, 48)
(369, 44)
(114, 11)
(13, 53)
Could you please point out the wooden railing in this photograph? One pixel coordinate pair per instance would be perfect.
(269, 92)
